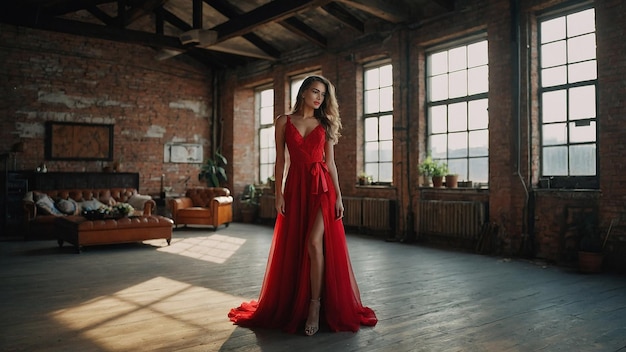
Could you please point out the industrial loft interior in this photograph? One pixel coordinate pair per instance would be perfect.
(471, 130)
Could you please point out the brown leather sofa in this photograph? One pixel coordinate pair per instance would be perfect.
(203, 206)
(40, 221)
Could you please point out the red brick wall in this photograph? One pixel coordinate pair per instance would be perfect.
(49, 76)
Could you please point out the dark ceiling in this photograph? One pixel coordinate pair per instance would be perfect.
(224, 33)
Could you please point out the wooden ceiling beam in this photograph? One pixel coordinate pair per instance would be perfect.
(277, 10)
(295, 25)
(380, 8)
(344, 16)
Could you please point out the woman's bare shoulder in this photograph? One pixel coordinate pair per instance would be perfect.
(281, 120)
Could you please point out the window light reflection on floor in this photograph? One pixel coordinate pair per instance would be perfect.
(215, 248)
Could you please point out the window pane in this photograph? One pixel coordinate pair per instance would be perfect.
(264, 156)
(386, 76)
(372, 170)
(583, 132)
(581, 48)
(267, 115)
(583, 160)
(385, 129)
(386, 171)
(372, 101)
(386, 99)
(458, 59)
(477, 54)
(458, 84)
(553, 106)
(555, 133)
(479, 169)
(582, 102)
(479, 143)
(371, 129)
(553, 76)
(439, 145)
(438, 119)
(295, 86)
(438, 63)
(267, 97)
(478, 80)
(553, 30)
(555, 161)
(372, 79)
(457, 117)
(386, 151)
(581, 22)
(438, 88)
(553, 54)
(266, 138)
(371, 151)
(583, 71)
(478, 114)
(457, 145)
(459, 167)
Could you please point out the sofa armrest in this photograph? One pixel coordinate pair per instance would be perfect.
(30, 210)
(223, 200)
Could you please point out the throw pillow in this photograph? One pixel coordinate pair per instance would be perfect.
(137, 201)
(92, 204)
(45, 205)
(67, 206)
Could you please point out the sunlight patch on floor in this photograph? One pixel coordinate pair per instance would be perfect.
(169, 312)
(215, 248)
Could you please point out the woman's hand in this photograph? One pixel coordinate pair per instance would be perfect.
(280, 205)
(338, 209)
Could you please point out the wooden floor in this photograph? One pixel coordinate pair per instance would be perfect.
(151, 297)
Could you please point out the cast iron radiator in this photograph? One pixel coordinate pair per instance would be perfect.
(459, 219)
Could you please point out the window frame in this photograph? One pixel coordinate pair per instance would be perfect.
(568, 181)
(258, 107)
(378, 115)
(467, 98)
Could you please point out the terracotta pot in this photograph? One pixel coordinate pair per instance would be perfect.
(437, 181)
(590, 262)
(452, 181)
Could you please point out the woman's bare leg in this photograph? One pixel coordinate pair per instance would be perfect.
(316, 256)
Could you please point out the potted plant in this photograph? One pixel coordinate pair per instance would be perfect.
(440, 169)
(425, 169)
(364, 179)
(213, 171)
(271, 182)
(249, 203)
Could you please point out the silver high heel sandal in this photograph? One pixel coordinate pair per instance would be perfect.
(311, 328)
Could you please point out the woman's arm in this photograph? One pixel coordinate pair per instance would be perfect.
(279, 166)
(329, 151)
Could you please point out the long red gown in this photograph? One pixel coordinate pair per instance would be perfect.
(286, 293)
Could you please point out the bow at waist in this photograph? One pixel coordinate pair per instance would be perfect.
(318, 170)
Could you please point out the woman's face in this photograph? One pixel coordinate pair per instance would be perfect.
(313, 96)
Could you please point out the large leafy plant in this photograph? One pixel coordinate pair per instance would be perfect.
(213, 171)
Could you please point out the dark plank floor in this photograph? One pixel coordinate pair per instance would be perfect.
(151, 297)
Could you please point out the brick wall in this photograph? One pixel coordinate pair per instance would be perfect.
(50, 76)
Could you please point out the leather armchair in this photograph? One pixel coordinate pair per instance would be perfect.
(203, 206)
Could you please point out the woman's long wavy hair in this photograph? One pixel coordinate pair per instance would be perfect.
(328, 113)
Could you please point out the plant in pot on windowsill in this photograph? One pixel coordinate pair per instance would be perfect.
(440, 169)
(249, 203)
(213, 171)
(425, 169)
(364, 179)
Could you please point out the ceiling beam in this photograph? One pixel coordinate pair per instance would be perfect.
(231, 11)
(295, 25)
(277, 10)
(380, 8)
(344, 16)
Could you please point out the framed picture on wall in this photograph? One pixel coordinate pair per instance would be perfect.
(182, 153)
(78, 141)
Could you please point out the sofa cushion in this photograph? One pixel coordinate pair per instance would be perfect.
(67, 206)
(45, 205)
(92, 204)
(137, 201)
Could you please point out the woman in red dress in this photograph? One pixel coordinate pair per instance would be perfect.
(309, 278)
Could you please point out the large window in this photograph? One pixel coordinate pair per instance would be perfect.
(378, 122)
(567, 93)
(264, 107)
(457, 83)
